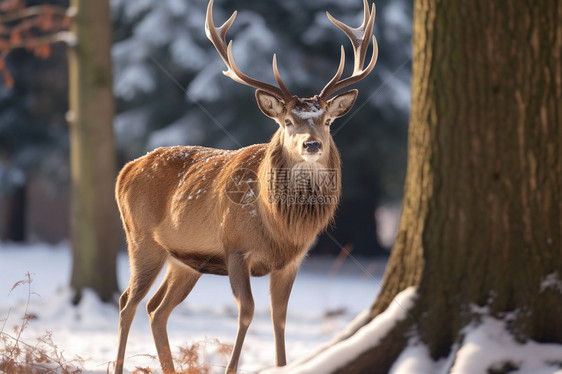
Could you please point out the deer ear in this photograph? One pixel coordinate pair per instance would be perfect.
(270, 105)
(341, 104)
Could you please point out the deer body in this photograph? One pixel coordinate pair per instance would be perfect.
(181, 194)
(252, 211)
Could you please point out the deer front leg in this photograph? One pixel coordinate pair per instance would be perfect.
(239, 275)
(280, 284)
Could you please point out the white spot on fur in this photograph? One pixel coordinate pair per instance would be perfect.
(309, 112)
(311, 158)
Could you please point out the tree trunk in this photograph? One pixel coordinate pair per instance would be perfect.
(482, 214)
(12, 220)
(94, 224)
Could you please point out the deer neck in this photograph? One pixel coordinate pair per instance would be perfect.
(297, 199)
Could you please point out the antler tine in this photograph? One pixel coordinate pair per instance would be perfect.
(236, 74)
(213, 32)
(279, 80)
(217, 36)
(356, 77)
(360, 38)
(336, 77)
(357, 35)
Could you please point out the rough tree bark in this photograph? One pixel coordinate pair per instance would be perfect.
(482, 216)
(94, 222)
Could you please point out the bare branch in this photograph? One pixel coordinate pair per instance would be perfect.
(66, 37)
(34, 11)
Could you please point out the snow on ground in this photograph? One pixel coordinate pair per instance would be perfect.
(486, 344)
(322, 303)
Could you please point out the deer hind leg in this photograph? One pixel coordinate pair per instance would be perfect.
(177, 284)
(146, 261)
(280, 285)
(239, 275)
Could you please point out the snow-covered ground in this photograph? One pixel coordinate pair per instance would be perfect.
(324, 299)
(487, 346)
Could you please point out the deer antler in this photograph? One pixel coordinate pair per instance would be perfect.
(218, 37)
(360, 38)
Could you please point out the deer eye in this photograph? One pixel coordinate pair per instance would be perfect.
(328, 122)
(288, 122)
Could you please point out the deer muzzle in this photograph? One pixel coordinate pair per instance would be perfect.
(312, 147)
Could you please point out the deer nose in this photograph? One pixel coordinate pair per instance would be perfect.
(312, 147)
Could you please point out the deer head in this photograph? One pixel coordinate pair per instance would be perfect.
(304, 122)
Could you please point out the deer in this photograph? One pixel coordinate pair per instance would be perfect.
(239, 213)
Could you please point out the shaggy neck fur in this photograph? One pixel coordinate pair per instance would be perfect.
(299, 199)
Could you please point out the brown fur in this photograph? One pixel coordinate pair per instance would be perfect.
(177, 197)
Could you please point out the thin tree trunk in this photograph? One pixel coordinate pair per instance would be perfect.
(94, 224)
(482, 216)
(12, 224)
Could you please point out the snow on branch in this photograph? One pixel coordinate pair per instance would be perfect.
(59, 37)
(551, 281)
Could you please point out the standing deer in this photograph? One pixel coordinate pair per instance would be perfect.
(253, 211)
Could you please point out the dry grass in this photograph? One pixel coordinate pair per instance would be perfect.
(192, 358)
(17, 356)
(45, 357)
